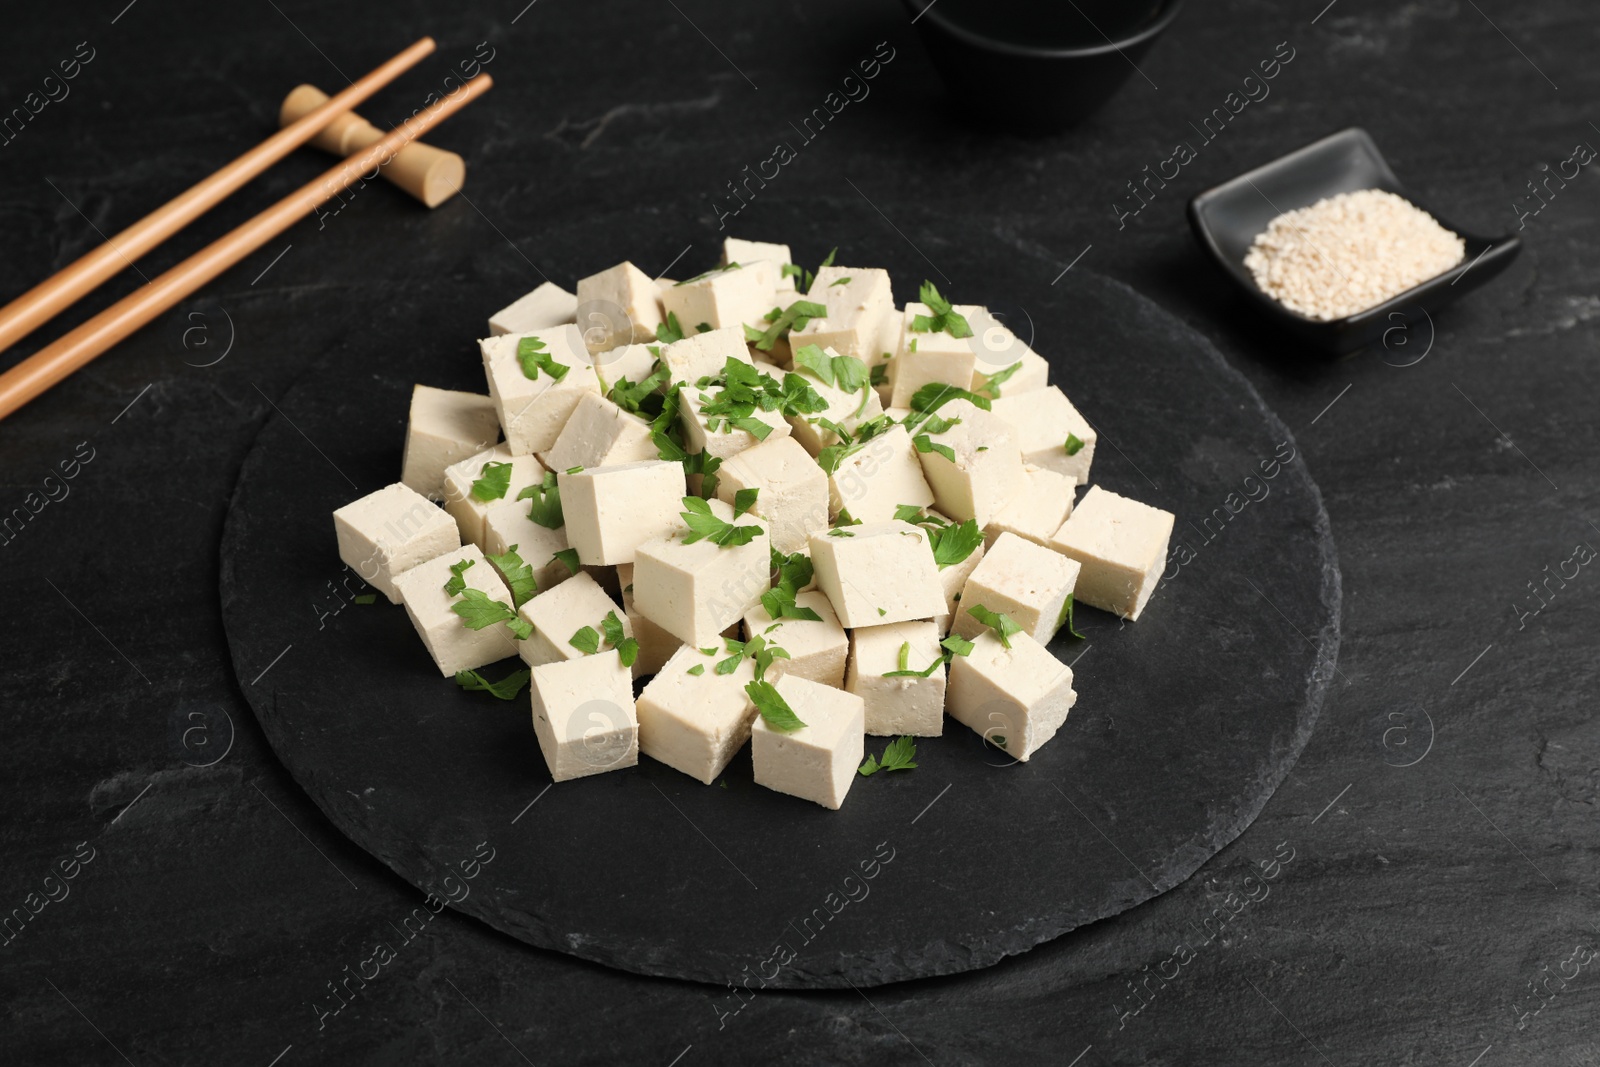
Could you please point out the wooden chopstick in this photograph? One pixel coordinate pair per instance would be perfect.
(56, 361)
(70, 284)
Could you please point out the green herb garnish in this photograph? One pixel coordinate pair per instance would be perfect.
(944, 318)
(506, 688)
(924, 444)
(533, 357)
(569, 557)
(704, 526)
(1065, 619)
(477, 612)
(1073, 445)
(991, 385)
(773, 708)
(1002, 625)
(670, 330)
(899, 756)
(697, 670)
(457, 583)
(518, 575)
(494, 483)
(546, 507)
(794, 317)
(744, 500)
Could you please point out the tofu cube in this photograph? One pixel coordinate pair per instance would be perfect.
(735, 250)
(533, 410)
(1028, 582)
(1040, 422)
(817, 650)
(625, 302)
(584, 717)
(846, 409)
(556, 614)
(923, 357)
(445, 427)
(453, 645)
(877, 573)
(507, 526)
(986, 471)
(470, 506)
(656, 646)
(858, 300)
(724, 440)
(999, 349)
(1039, 510)
(1016, 698)
(695, 591)
(1122, 545)
(724, 297)
(879, 476)
(792, 490)
(388, 532)
(548, 305)
(704, 355)
(600, 434)
(610, 511)
(904, 705)
(696, 723)
(818, 761)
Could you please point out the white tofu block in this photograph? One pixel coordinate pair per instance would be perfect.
(703, 355)
(1028, 582)
(696, 723)
(388, 532)
(470, 508)
(986, 472)
(507, 526)
(883, 352)
(817, 650)
(726, 440)
(1039, 510)
(445, 427)
(952, 580)
(584, 716)
(600, 434)
(1122, 545)
(656, 646)
(548, 305)
(558, 613)
(695, 591)
(610, 511)
(623, 289)
(818, 761)
(735, 250)
(926, 357)
(856, 310)
(532, 411)
(847, 409)
(880, 572)
(728, 297)
(1041, 421)
(452, 644)
(1016, 698)
(997, 348)
(792, 490)
(896, 706)
(878, 477)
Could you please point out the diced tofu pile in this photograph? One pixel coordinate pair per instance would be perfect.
(763, 505)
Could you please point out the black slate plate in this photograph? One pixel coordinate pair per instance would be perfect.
(1185, 723)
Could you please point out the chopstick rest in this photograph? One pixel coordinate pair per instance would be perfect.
(430, 174)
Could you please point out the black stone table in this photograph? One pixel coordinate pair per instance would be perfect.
(1420, 890)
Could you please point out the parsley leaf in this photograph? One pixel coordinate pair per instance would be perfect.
(366, 598)
(794, 573)
(634, 396)
(794, 317)
(1002, 625)
(909, 513)
(698, 669)
(991, 385)
(930, 397)
(880, 374)
(585, 639)
(506, 688)
(518, 575)
(533, 357)
(477, 612)
(847, 373)
(704, 526)
(839, 281)
(457, 583)
(924, 444)
(790, 270)
(944, 319)
(611, 626)
(954, 542)
(671, 330)
(568, 556)
(546, 507)
(1066, 619)
(744, 500)
(811, 276)
(899, 756)
(773, 708)
(1072, 446)
(840, 532)
(957, 645)
(494, 483)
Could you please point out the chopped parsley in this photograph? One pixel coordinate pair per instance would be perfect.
(744, 500)
(585, 639)
(849, 444)
(478, 612)
(697, 670)
(1073, 445)
(506, 688)
(457, 582)
(575, 470)
(704, 526)
(794, 573)
(954, 542)
(991, 385)
(839, 281)
(742, 390)
(569, 557)
(1002, 625)
(794, 317)
(533, 357)
(924, 444)
(366, 598)
(839, 532)
(638, 397)
(899, 756)
(773, 708)
(670, 330)
(945, 319)
(756, 649)
(518, 575)
(1066, 619)
(546, 507)
(811, 276)
(494, 483)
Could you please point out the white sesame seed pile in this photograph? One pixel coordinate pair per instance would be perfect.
(1350, 252)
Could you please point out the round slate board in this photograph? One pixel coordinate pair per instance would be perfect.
(1185, 722)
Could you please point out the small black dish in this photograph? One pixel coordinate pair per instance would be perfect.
(1033, 67)
(1227, 218)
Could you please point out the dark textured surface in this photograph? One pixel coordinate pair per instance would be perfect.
(1185, 722)
(1422, 904)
